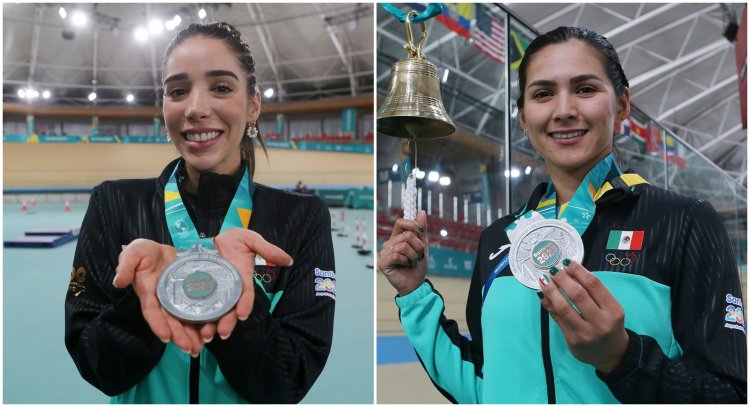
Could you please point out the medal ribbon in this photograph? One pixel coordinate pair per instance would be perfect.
(181, 227)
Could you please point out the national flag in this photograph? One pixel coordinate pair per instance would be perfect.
(625, 240)
(489, 35)
(517, 48)
(671, 148)
(639, 130)
(624, 129)
(654, 141)
(260, 261)
(455, 16)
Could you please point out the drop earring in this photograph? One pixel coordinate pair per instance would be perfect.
(252, 131)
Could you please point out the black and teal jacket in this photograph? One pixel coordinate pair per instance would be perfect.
(683, 313)
(274, 356)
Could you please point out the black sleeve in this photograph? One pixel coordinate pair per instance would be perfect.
(276, 357)
(105, 333)
(707, 324)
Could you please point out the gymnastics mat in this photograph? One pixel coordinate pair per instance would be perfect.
(52, 231)
(39, 241)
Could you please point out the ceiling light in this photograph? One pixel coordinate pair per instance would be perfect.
(443, 232)
(79, 18)
(130, 98)
(420, 174)
(433, 176)
(92, 96)
(155, 27)
(268, 93)
(177, 20)
(394, 168)
(515, 173)
(21, 93)
(506, 173)
(445, 75)
(46, 94)
(527, 171)
(445, 181)
(169, 25)
(202, 13)
(141, 34)
(62, 12)
(36, 93)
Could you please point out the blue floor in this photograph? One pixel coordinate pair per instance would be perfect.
(37, 368)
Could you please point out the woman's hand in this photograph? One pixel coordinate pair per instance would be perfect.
(596, 333)
(239, 246)
(141, 263)
(403, 258)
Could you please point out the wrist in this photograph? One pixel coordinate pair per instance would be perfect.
(620, 348)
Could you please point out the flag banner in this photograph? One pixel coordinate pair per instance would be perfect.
(625, 240)
(456, 16)
(489, 34)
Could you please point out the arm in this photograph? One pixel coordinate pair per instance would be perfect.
(105, 333)
(275, 357)
(713, 366)
(453, 362)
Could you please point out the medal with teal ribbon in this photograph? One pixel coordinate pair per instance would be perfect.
(200, 286)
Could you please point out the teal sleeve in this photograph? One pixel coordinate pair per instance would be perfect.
(445, 354)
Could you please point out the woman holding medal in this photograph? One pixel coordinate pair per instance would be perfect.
(652, 331)
(273, 344)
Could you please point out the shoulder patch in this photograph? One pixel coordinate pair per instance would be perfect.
(325, 283)
(733, 319)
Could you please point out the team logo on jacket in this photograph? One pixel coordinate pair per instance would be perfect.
(77, 279)
(325, 283)
(733, 317)
(625, 240)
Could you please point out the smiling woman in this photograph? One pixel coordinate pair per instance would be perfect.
(143, 241)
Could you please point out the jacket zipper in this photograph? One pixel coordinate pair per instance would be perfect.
(549, 375)
(195, 364)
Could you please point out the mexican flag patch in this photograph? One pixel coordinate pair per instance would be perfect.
(625, 240)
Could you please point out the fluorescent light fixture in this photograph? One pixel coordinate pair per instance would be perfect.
(445, 75)
(79, 18)
(92, 96)
(433, 176)
(141, 34)
(268, 92)
(444, 181)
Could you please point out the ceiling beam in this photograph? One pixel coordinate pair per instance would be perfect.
(657, 81)
(556, 15)
(268, 49)
(331, 29)
(610, 12)
(651, 14)
(720, 137)
(698, 97)
(666, 28)
(654, 73)
(155, 82)
(35, 41)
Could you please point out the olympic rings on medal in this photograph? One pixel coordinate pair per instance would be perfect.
(625, 261)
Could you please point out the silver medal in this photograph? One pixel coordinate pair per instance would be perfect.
(538, 244)
(199, 286)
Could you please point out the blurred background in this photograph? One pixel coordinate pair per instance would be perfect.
(686, 133)
(82, 104)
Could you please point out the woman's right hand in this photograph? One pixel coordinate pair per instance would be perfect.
(140, 264)
(403, 258)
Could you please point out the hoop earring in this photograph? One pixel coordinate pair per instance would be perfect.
(252, 131)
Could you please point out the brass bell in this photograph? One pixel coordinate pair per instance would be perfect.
(413, 107)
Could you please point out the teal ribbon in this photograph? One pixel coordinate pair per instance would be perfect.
(581, 209)
(181, 227)
(432, 10)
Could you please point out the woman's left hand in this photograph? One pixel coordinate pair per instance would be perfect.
(239, 247)
(596, 333)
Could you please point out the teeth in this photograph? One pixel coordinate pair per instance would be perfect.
(563, 136)
(202, 136)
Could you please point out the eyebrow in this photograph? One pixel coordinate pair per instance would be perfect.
(209, 74)
(574, 80)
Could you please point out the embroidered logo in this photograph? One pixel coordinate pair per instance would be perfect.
(733, 317)
(625, 240)
(625, 261)
(325, 283)
(181, 229)
(77, 278)
(265, 276)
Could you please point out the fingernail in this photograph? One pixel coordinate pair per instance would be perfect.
(243, 318)
(194, 355)
(543, 281)
(164, 340)
(566, 262)
(540, 294)
(291, 263)
(553, 270)
(207, 340)
(223, 338)
(114, 281)
(187, 351)
(421, 229)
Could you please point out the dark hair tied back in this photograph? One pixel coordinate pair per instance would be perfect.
(610, 60)
(233, 39)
